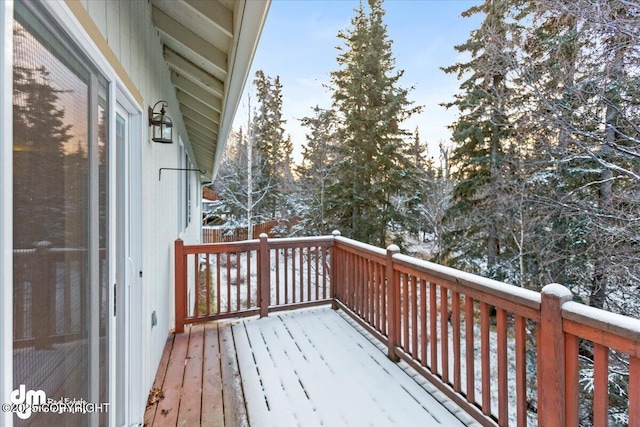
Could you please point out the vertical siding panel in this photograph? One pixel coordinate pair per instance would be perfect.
(113, 26)
(98, 12)
(136, 36)
(125, 34)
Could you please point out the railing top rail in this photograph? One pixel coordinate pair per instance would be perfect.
(605, 321)
(201, 248)
(300, 241)
(525, 297)
(363, 248)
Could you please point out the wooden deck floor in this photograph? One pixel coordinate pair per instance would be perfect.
(300, 368)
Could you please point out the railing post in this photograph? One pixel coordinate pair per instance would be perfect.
(265, 275)
(551, 357)
(333, 271)
(180, 285)
(393, 302)
(43, 302)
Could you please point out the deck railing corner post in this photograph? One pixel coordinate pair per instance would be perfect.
(265, 275)
(180, 285)
(551, 356)
(333, 271)
(393, 302)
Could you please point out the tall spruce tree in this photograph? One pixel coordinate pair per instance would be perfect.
(372, 164)
(273, 148)
(482, 135)
(315, 171)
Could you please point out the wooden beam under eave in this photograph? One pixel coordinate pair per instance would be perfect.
(203, 109)
(203, 146)
(197, 117)
(191, 41)
(190, 83)
(203, 133)
(181, 65)
(219, 15)
(201, 130)
(199, 96)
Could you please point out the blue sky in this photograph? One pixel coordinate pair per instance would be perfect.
(299, 44)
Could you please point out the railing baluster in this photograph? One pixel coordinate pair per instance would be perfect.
(369, 291)
(301, 261)
(455, 320)
(485, 355)
(469, 326)
(248, 258)
(634, 391)
(228, 278)
(293, 275)
(503, 391)
(404, 279)
(218, 293)
(444, 332)
(414, 316)
(207, 270)
(238, 281)
(309, 297)
(572, 378)
(277, 284)
(265, 275)
(198, 283)
(317, 251)
(600, 386)
(286, 276)
(433, 326)
(423, 322)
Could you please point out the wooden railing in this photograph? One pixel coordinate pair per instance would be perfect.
(221, 280)
(220, 235)
(506, 355)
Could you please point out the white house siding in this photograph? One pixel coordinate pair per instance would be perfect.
(128, 29)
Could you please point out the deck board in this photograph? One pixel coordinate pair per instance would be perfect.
(299, 368)
(150, 413)
(212, 408)
(235, 412)
(191, 397)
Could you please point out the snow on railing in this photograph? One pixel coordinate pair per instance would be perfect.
(506, 355)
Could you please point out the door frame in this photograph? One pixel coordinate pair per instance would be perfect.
(125, 176)
(6, 207)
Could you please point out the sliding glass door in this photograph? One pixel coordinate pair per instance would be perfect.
(61, 223)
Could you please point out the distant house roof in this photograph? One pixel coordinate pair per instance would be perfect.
(209, 46)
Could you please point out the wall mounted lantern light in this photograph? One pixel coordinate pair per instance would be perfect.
(162, 125)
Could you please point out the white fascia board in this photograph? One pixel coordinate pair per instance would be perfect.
(6, 208)
(250, 18)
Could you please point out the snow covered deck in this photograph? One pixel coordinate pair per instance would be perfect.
(299, 368)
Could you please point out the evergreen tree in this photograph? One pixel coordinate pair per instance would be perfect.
(372, 162)
(315, 171)
(273, 148)
(482, 136)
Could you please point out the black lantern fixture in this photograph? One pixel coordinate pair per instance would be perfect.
(162, 125)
